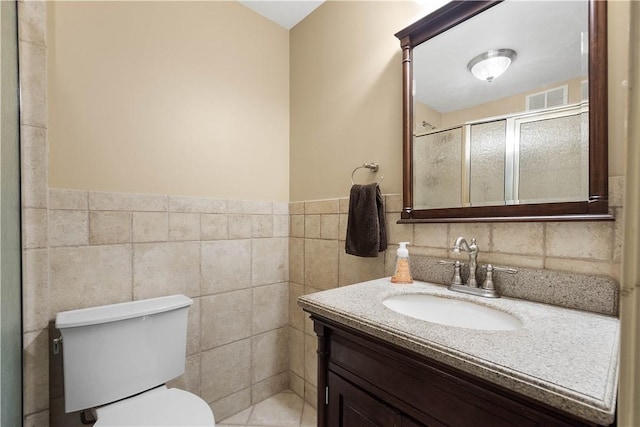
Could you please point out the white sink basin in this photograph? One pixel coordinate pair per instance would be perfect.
(452, 312)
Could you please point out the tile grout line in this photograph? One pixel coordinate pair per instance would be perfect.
(253, 407)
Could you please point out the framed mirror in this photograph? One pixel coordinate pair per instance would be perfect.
(505, 112)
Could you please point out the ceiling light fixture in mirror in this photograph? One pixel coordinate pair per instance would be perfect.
(491, 64)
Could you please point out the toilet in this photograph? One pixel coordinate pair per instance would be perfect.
(117, 359)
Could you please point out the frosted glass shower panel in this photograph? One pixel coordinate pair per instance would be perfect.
(437, 179)
(554, 159)
(487, 165)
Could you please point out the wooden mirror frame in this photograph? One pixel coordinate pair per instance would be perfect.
(595, 208)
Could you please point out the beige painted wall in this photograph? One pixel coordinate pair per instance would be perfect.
(618, 75)
(186, 98)
(629, 402)
(346, 95)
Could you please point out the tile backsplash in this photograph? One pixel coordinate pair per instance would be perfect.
(231, 257)
(317, 261)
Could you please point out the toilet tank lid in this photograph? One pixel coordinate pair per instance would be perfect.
(121, 311)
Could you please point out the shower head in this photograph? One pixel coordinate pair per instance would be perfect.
(428, 125)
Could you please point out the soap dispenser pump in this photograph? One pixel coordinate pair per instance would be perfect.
(403, 273)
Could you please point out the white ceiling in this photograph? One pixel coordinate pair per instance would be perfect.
(284, 13)
(547, 37)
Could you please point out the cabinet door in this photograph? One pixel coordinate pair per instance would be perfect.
(350, 406)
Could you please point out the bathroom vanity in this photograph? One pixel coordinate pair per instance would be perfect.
(379, 367)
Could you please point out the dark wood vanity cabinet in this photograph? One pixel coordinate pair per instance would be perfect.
(352, 406)
(365, 381)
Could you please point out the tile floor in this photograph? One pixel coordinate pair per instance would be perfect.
(285, 409)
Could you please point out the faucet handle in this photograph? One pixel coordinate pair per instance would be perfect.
(457, 265)
(449, 262)
(504, 269)
(488, 281)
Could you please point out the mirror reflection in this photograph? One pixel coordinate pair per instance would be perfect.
(501, 108)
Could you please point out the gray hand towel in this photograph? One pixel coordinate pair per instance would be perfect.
(366, 230)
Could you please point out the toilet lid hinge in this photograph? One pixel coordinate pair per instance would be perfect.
(85, 420)
(57, 343)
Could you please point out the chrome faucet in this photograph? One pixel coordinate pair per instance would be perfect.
(472, 249)
(487, 289)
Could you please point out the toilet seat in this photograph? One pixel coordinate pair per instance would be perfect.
(160, 406)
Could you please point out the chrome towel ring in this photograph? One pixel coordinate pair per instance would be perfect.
(372, 166)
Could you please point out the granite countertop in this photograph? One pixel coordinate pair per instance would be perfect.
(565, 358)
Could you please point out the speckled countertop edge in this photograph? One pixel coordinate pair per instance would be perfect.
(583, 382)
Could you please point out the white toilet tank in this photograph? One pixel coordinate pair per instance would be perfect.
(115, 351)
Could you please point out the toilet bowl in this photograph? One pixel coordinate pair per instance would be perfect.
(118, 358)
(161, 406)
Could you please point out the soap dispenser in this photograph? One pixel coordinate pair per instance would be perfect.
(403, 273)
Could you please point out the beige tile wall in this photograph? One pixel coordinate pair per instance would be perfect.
(108, 248)
(318, 261)
(88, 248)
